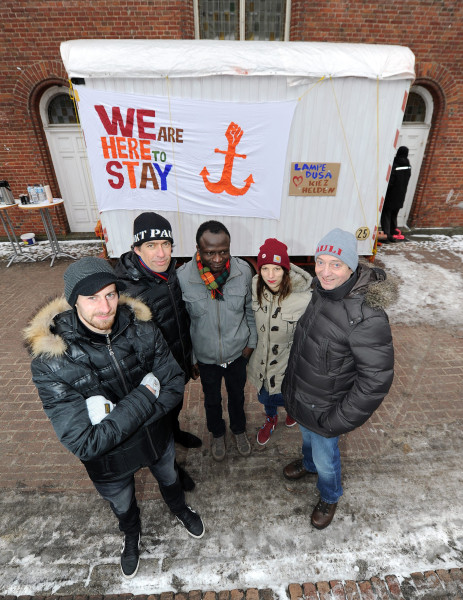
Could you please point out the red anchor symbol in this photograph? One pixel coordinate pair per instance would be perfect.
(233, 135)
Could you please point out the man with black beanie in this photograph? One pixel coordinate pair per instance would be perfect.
(148, 272)
(108, 382)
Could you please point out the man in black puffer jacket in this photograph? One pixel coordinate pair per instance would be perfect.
(341, 363)
(148, 272)
(108, 381)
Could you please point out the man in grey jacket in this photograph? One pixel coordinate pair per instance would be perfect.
(341, 363)
(216, 288)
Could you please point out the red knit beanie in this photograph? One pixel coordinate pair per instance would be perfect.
(273, 252)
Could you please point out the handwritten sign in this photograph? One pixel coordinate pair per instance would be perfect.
(314, 179)
(192, 156)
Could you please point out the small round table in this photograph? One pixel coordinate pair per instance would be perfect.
(44, 208)
(18, 254)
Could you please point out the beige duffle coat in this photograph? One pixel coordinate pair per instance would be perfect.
(276, 324)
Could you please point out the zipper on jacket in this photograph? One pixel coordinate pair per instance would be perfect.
(126, 389)
(116, 364)
(171, 294)
(221, 361)
(151, 443)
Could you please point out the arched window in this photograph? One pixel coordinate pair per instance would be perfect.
(61, 110)
(415, 111)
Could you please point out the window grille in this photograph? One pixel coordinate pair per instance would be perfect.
(263, 19)
(61, 110)
(415, 111)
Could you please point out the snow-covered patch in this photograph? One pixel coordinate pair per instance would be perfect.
(41, 250)
(431, 280)
(400, 513)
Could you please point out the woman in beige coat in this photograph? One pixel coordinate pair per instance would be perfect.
(280, 295)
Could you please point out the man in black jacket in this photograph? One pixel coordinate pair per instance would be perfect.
(108, 381)
(341, 363)
(148, 272)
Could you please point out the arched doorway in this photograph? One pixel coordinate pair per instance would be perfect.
(414, 134)
(69, 156)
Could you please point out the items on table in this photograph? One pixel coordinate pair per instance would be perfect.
(6, 195)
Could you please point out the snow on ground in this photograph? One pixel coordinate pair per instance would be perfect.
(400, 513)
(77, 248)
(431, 280)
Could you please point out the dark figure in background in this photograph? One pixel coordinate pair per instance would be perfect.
(395, 194)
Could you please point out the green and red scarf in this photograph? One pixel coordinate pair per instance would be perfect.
(214, 283)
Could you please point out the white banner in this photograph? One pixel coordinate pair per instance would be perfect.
(192, 156)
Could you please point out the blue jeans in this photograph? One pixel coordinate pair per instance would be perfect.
(121, 493)
(211, 381)
(321, 455)
(270, 402)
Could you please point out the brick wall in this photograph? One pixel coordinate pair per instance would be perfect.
(32, 31)
(432, 29)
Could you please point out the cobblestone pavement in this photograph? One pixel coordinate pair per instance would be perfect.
(431, 585)
(423, 407)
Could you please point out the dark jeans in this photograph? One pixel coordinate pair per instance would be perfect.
(270, 402)
(175, 413)
(235, 379)
(121, 493)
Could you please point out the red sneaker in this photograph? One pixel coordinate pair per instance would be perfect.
(290, 422)
(264, 433)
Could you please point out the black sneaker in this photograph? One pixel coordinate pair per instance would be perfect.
(191, 521)
(130, 555)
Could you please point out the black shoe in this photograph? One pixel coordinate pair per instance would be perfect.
(187, 440)
(191, 521)
(188, 485)
(130, 555)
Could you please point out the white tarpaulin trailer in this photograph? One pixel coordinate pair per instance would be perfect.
(349, 108)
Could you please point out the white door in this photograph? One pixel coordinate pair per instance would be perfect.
(68, 152)
(414, 134)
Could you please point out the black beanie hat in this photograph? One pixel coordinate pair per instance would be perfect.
(87, 276)
(151, 226)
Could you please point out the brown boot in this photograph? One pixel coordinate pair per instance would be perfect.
(323, 514)
(296, 470)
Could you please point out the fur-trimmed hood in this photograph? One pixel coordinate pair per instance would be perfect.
(379, 291)
(41, 340)
(300, 279)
